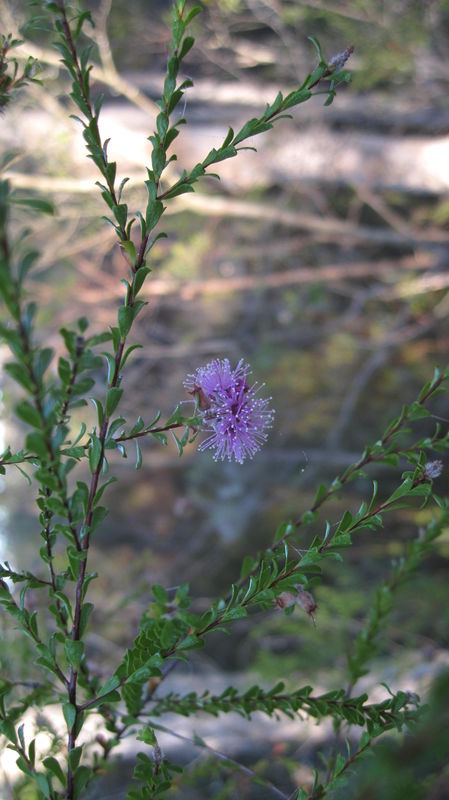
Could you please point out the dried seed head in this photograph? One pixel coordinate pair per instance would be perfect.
(286, 599)
(306, 601)
(302, 598)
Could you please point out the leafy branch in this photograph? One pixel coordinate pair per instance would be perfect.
(274, 112)
(391, 712)
(10, 78)
(386, 450)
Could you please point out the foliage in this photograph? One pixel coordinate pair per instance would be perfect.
(70, 509)
(11, 79)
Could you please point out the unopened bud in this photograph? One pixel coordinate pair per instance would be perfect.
(413, 698)
(157, 755)
(337, 62)
(79, 346)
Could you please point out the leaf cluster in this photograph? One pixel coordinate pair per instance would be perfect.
(11, 77)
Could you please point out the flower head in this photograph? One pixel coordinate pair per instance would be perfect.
(234, 417)
(432, 469)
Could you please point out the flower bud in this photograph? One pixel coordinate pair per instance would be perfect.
(337, 62)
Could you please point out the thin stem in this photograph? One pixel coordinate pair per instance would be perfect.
(323, 790)
(223, 757)
(81, 79)
(297, 701)
(46, 534)
(52, 466)
(363, 461)
(85, 540)
(69, 387)
(23, 754)
(91, 116)
(161, 429)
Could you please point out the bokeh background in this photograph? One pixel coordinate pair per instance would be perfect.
(321, 259)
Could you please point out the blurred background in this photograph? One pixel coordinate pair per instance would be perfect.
(321, 259)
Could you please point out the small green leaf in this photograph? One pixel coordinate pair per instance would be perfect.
(190, 642)
(99, 514)
(187, 45)
(340, 764)
(32, 752)
(130, 251)
(161, 437)
(139, 279)
(192, 13)
(99, 492)
(69, 712)
(95, 450)
(109, 686)
(42, 362)
(53, 766)
(128, 353)
(112, 400)
(20, 375)
(41, 206)
(75, 756)
(159, 593)
(284, 530)
(125, 320)
(29, 414)
(111, 365)
(80, 779)
(35, 442)
(317, 47)
(153, 214)
(178, 443)
(138, 455)
(86, 611)
(140, 675)
(235, 613)
(100, 412)
(121, 211)
(42, 782)
(64, 370)
(74, 651)
(147, 735)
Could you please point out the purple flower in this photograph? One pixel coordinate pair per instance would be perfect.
(234, 417)
(432, 469)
